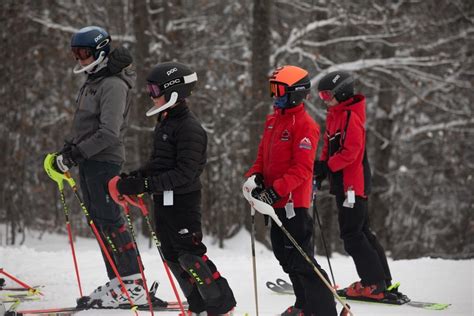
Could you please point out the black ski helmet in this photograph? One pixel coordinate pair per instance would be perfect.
(173, 80)
(339, 83)
(290, 80)
(93, 37)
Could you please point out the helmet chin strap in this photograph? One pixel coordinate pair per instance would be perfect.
(79, 69)
(157, 109)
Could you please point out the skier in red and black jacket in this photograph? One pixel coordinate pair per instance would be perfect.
(284, 169)
(344, 161)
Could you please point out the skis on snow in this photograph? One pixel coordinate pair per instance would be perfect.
(282, 287)
(66, 311)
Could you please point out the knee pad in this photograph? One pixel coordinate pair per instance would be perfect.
(122, 249)
(199, 269)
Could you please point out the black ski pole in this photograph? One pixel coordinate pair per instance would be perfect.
(316, 214)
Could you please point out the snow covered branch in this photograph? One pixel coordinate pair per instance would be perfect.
(69, 29)
(414, 131)
(394, 62)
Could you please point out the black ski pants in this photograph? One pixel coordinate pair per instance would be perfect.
(311, 293)
(361, 243)
(179, 229)
(107, 216)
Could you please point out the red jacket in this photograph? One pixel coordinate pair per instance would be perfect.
(344, 146)
(286, 155)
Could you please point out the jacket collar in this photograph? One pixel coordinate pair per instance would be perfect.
(180, 109)
(293, 110)
(350, 104)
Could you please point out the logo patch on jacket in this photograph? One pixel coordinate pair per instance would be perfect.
(164, 137)
(305, 143)
(285, 136)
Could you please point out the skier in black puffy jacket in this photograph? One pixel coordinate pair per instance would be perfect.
(172, 176)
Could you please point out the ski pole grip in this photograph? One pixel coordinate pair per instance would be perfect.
(138, 202)
(115, 195)
(259, 206)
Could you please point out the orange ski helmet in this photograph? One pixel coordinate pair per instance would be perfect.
(291, 81)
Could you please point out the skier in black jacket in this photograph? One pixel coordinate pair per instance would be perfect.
(172, 176)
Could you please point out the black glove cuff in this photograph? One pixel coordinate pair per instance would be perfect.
(259, 179)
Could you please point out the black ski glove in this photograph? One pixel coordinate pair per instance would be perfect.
(268, 195)
(132, 186)
(320, 172)
(69, 157)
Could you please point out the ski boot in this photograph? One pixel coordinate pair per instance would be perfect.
(114, 298)
(91, 299)
(374, 292)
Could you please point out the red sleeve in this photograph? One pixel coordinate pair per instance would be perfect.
(304, 153)
(353, 144)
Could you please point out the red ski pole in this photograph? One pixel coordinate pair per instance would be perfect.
(59, 179)
(23, 284)
(138, 202)
(91, 223)
(121, 201)
(71, 240)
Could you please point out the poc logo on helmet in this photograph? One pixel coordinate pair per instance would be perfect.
(172, 82)
(334, 80)
(99, 37)
(169, 72)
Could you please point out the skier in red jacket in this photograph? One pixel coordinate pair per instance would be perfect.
(284, 169)
(344, 161)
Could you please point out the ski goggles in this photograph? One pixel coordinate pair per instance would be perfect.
(154, 90)
(326, 95)
(81, 53)
(277, 89)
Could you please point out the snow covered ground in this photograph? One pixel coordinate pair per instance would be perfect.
(48, 262)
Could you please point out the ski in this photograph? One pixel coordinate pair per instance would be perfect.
(18, 288)
(280, 286)
(66, 311)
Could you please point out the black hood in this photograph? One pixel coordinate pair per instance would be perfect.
(118, 59)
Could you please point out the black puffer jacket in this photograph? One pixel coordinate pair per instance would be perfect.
(179, 152)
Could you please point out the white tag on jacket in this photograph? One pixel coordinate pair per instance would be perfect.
(347, 204)
(290, 209)
(351, 196)
(167, 198)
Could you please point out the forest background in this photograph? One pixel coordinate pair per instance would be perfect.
(413, 60)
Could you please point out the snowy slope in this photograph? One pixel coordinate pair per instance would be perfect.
(48, 262)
